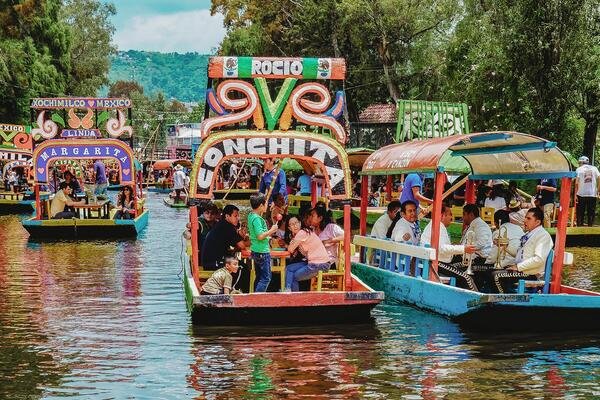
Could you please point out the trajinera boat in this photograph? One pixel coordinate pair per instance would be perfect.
(542, 305)
(16, 146)
(235, 103)
(80, 140)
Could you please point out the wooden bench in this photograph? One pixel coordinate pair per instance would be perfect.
(334, 279)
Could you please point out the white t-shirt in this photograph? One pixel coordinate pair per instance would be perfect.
(381, 226)
(233, 171)
(178, 180)
(499, 203)
(402, 228)
(587, 178)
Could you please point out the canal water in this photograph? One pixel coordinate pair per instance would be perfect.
(107, 320)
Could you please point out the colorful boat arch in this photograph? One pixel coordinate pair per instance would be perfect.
(51, 150)
(325, 151)
(487, 155)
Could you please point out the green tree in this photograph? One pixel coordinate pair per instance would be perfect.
(91, 32)
(124, 89)
(34, 55)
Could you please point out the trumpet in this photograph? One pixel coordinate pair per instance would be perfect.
(502, 245)
(467, 259)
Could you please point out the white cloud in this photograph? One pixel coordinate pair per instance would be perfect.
(178, 32)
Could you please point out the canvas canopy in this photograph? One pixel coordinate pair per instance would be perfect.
(487, 155)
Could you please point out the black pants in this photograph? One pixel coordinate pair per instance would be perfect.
(586, 204)
(506, 281)
(458, 271)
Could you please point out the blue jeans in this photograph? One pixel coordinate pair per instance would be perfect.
(262, 265)
(301, 271)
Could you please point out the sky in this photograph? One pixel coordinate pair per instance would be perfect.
(167, 26)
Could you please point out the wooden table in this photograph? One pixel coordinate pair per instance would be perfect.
(276, 255)
(100, 206)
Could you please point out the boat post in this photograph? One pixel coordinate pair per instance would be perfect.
(364, 202)
(561, 234)
(436, 219)
(388, 188)
(364, 198)
(194, 228)
(347, 266)
(313, 193)
(38, 203)
(470, 192)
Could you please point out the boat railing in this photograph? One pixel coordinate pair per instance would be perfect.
(399, 257)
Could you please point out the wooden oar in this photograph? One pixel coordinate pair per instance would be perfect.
(235, 180)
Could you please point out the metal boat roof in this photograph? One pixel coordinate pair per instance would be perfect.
(486, 155)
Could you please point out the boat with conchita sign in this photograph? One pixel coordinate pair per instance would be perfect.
(95, 131)
(16, 146)
(248, 123)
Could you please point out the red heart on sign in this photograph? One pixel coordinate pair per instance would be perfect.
(126, 171)
(41, 170)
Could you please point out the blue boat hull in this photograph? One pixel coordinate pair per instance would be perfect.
(487, 312)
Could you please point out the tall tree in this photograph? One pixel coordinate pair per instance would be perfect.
(91, 32)
(34, 55)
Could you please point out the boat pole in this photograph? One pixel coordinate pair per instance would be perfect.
(364, 198)
(470, 192)
(38, 203)
(388, 188)
(194, 228)
(347, 266)
(561, 234)
(436, 219)
(313, 193)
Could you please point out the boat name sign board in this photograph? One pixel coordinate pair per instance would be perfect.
(80, 133)
(52, 150)
(296, 147)
(14, 156)
(80, 103)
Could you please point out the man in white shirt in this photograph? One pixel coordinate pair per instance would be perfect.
(447, 250)
(481, 235)
(384, 222)
(511, 235)
(178, 182)
(407, 228)
(530, 260)
(587, 189)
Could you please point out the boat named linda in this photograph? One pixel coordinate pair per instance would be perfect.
(72, 202)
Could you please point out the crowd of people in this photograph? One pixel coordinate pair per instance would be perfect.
(312, 239)
(480, 261)
(15, 180)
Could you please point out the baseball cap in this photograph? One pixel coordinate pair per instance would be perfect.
(584, 160)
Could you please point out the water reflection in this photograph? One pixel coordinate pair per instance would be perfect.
(108, 320)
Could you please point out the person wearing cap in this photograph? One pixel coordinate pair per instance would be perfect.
(517, 213)
(178, 182)
(587, 189)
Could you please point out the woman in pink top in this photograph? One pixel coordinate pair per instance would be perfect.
(309, 244)
(328, 231)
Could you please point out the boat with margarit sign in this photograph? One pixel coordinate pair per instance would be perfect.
(72, 203)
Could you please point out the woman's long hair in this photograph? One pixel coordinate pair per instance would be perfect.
(325, 214)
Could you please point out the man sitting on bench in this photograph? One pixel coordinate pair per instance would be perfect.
(530, 261)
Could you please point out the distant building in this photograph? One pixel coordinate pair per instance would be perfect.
(180, 138)
(375, 128)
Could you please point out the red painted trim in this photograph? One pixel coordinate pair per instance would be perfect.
(347, 266)
(313, 193)
(38, 203)
(292, 299)
(364, 201)
(561, 234)
(388, 187)
(436, 218)
(572, 290)
(194, 227)
(470, 192)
